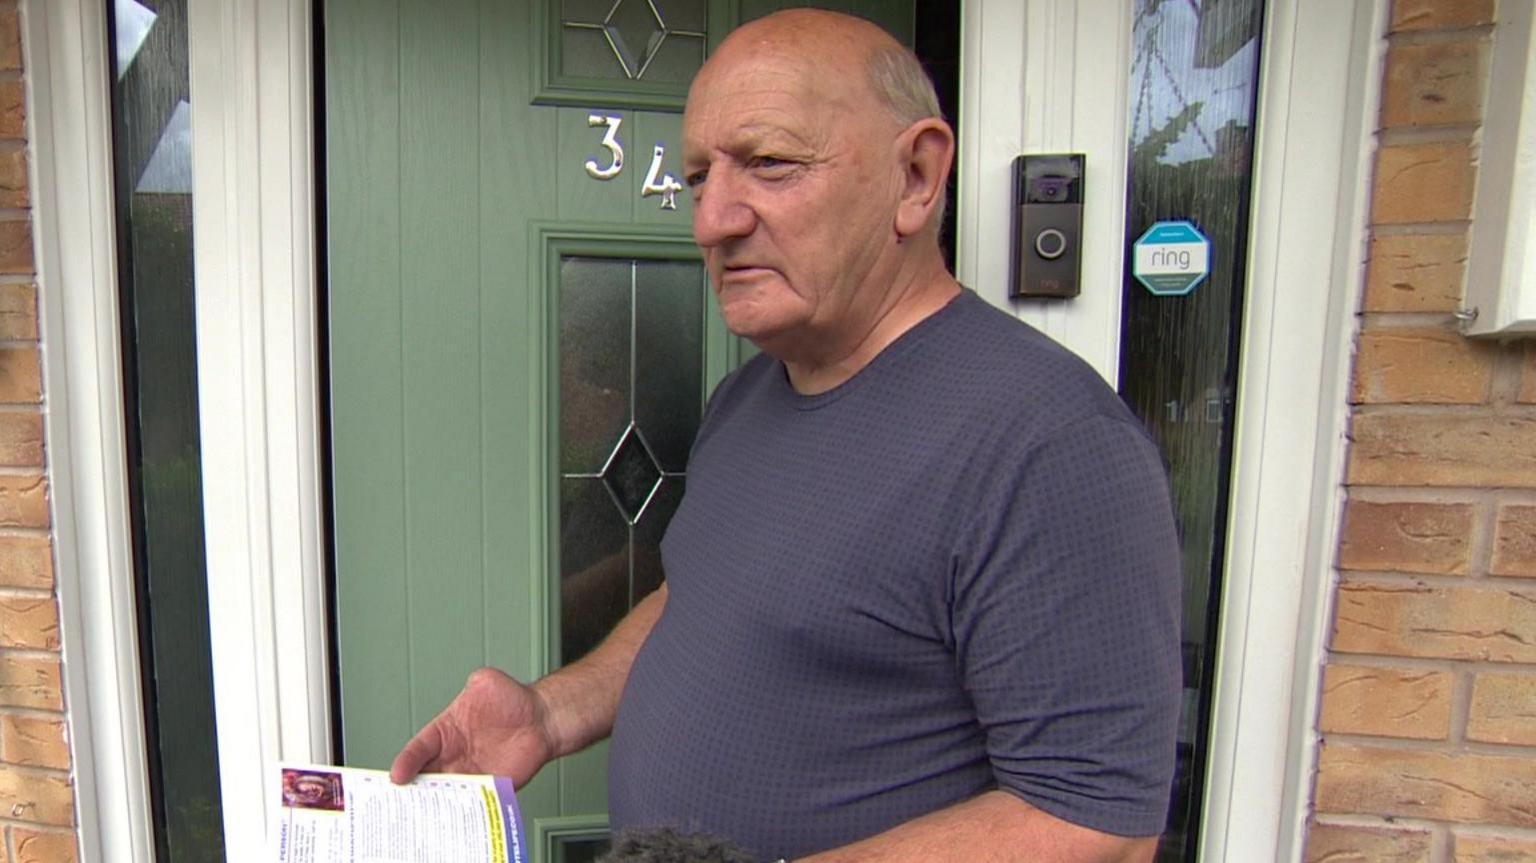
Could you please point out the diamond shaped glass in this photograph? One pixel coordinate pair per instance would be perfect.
(631, 475)
(635, 31)
(653, 40)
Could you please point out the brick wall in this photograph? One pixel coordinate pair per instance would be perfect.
(1429, 695)
(36, 796)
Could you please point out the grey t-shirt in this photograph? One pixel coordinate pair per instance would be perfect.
(957, 571)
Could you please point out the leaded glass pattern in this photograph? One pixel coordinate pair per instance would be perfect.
(633, 40)
(631, 384)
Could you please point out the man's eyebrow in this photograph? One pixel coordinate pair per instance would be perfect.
(767, 135)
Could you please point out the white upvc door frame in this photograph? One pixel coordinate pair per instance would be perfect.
(253, 200)
(1043, 75)
(73, 215)
(257, 338)
(258, 376)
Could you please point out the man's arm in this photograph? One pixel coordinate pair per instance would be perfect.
(996, 827)
(498, 725)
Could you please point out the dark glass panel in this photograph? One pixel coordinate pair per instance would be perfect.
(579, 850)
(677, 59)
(594, 566)
(631, 475)
(1194, 74)
(683, 14)
(585, 11)
(585, 53)
(669, 356)
(594, 360)
(648, 533)
(152, 157)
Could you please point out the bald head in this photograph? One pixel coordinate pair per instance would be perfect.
(851, 49)
(818, 167)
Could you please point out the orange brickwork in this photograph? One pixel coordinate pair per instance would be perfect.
(37, 807)
(1428, 713)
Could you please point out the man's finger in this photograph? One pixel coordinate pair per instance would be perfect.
(418, 753)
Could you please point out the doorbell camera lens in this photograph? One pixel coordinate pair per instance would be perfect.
(1051, 189)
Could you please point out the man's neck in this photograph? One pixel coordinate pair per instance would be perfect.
(923, 293)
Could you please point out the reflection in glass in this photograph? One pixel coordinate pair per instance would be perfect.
(631, 388)
(595, 360)
(647, 536)
(643, 39)
(1193, 89)
(152, 159)
(669, 357)
(594, 565)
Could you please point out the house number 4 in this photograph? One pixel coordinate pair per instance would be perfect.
(656, 181)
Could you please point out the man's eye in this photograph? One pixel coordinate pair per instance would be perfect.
(770, 163)
(696, 179)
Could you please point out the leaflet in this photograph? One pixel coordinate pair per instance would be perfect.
(351, 815)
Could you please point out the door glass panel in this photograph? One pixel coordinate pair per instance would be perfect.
(152, 162)
(631, 387)
(579, 850)
(595, 361)
(652, 40)
(669, 358)
(587, 54)
(594, 564)
(1194, 74)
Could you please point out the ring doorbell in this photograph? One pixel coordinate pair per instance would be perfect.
(1048, 225)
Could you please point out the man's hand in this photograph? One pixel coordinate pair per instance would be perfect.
(499, 726)
(496, 725)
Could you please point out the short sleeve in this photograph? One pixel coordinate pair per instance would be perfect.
(1065, 614)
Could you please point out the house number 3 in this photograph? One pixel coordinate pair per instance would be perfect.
(656, 182)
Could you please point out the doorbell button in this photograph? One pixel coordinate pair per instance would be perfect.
(1050, 244)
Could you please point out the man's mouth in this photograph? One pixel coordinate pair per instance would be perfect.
(743, 271)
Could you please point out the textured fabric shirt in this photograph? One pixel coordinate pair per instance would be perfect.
(955, 572)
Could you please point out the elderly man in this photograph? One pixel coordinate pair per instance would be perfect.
(922, 593)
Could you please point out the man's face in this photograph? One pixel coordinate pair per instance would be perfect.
(795, 182)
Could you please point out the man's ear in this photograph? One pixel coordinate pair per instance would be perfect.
(925, 150)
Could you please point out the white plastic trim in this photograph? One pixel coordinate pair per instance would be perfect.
(1046, 76)
(65, 45)
(252, 153)
(1501, 263)
(1319, 88)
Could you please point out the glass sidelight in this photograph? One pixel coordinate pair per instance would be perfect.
(1194, 75)
(631, 379)
(152, 164)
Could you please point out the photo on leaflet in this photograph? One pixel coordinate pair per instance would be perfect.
(313, 789)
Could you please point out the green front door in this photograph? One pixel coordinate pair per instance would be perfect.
(520, 344)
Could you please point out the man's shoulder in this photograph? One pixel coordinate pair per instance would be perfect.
(983, 354)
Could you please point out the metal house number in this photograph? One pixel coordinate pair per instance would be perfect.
(656, 181)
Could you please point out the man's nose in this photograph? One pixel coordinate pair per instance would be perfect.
(721, 213)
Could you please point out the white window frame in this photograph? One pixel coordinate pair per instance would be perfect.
(70, 130)
(1028, 68)
(253, 205)
(253, 210)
